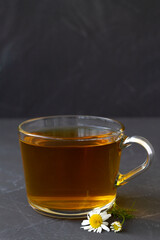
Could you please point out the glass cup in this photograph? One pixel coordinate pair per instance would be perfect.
(71, 163)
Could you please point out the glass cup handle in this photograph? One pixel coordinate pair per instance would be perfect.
(127, 141)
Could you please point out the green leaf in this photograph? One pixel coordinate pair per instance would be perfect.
(123, 213)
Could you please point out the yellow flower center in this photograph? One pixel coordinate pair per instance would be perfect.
(95, 221)
(116, 227)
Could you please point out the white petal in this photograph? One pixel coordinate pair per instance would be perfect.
(116, 223)
(105, 223)
(95, 211)
(105, 216)
(86, 227)
(91, 229)
(103, 213)
(105, 227)
(99, 230)
(95, 229)
(85, 222)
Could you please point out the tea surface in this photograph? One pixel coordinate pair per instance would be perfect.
(68, 174)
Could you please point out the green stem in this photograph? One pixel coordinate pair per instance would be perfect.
(122, 220)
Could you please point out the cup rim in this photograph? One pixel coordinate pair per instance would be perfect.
(102, 136)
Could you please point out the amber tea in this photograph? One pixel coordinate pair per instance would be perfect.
(70, 176)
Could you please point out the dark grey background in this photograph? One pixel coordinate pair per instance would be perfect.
(99, 57)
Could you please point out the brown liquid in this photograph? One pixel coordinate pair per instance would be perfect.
(70, 175)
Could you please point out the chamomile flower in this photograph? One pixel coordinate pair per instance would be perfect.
(96, 221)
(116, 226)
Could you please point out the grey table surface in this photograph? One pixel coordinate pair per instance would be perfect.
(19, 221)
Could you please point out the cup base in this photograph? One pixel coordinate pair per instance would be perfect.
(74, 214)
